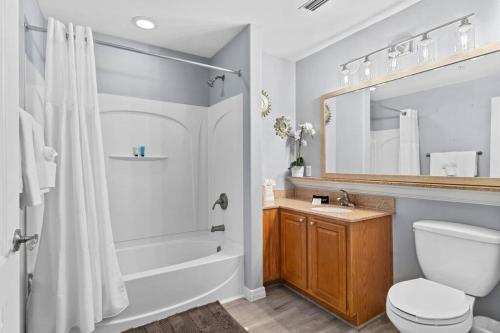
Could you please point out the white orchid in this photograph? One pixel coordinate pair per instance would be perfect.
(298, 137)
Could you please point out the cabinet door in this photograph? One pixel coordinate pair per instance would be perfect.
(271, 245)
(327, 262)
(294, 249)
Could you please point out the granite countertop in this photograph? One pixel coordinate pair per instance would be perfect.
(357, 214)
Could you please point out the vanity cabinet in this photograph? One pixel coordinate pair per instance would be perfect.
(327, 260)
(271, 245)
(294, 249)
(344, 266)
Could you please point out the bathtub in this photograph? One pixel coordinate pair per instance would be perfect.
(167, 276)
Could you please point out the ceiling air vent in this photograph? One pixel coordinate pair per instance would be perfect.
(312, 5)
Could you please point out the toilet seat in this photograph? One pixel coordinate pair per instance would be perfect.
(426, 302)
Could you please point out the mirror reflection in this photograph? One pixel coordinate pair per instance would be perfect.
(444, 122)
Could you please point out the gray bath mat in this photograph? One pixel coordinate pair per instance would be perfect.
(210, 318)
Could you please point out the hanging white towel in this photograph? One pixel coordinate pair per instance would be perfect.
(409, 143)
(38, 168)
(456, 164)
(30, 186)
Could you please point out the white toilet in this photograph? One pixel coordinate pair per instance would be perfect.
(460, 262)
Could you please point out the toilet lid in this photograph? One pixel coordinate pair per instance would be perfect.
(430, 300)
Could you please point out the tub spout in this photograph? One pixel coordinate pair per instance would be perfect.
(215, 228)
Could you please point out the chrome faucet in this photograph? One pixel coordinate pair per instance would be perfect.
(222, 202)
(344, 199)
(215, 228)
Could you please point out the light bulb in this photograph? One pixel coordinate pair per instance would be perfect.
(465, 39)
(393, 59)
(367, 69)
(345, 75)
(425, 49)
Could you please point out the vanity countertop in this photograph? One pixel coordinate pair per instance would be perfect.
(357, 214)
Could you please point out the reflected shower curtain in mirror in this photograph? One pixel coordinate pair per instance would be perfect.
(409, 145)
(77, 280)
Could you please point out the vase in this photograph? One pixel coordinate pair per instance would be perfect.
(297, 171)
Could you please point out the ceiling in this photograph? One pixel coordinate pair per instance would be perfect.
(203, 27)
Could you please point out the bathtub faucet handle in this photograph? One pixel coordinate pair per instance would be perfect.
(222, 201)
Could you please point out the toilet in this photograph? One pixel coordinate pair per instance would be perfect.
(459, 262)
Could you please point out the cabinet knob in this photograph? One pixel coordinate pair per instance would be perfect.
(301, 220)
(312, 223)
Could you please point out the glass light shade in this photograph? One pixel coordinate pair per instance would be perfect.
(345, 77)
(393, 61)
(367, 70)
(426, 50)
(465, 37)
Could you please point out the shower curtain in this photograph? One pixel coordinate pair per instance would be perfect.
(77, 280)
(409, 146)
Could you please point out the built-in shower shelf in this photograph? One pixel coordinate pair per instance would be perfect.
(140, 158)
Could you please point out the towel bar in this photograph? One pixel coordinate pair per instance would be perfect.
(479, 153)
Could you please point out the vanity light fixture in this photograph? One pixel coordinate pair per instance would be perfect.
(144, 22)
(426, 49)
(465, 39)
(373, 88)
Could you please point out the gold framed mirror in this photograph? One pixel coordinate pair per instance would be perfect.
(432, 125)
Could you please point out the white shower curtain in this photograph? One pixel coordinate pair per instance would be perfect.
(77, 280)
(409, 145)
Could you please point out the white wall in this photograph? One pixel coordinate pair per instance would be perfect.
(278, 79)
(155, 198)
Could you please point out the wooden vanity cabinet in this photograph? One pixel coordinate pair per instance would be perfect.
(344, 266)
(294, 249)
(271, 246)
(327, 259)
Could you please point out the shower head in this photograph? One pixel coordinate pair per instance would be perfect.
(211, 82)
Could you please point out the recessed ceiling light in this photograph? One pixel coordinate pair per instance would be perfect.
(144, 22)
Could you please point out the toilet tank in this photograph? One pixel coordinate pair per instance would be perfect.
(459, 255)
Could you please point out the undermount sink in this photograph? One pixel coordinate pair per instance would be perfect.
(337, 210)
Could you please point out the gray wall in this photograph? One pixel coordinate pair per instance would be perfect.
(451, 118)
(131, 74)
(278, 79)
(318, 74)
(242, 52)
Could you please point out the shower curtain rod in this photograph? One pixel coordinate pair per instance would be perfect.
(393, 109)
(28, 26)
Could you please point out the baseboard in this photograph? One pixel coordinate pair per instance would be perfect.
(253, 295)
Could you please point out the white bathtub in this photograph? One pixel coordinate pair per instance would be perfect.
(167, 276)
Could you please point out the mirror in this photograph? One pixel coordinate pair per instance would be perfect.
(443, 122)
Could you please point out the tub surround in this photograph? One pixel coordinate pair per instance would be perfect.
(341, 261)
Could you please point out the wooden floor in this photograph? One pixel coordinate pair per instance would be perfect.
(284, 311)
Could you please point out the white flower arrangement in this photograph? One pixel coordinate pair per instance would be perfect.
(299, 139)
